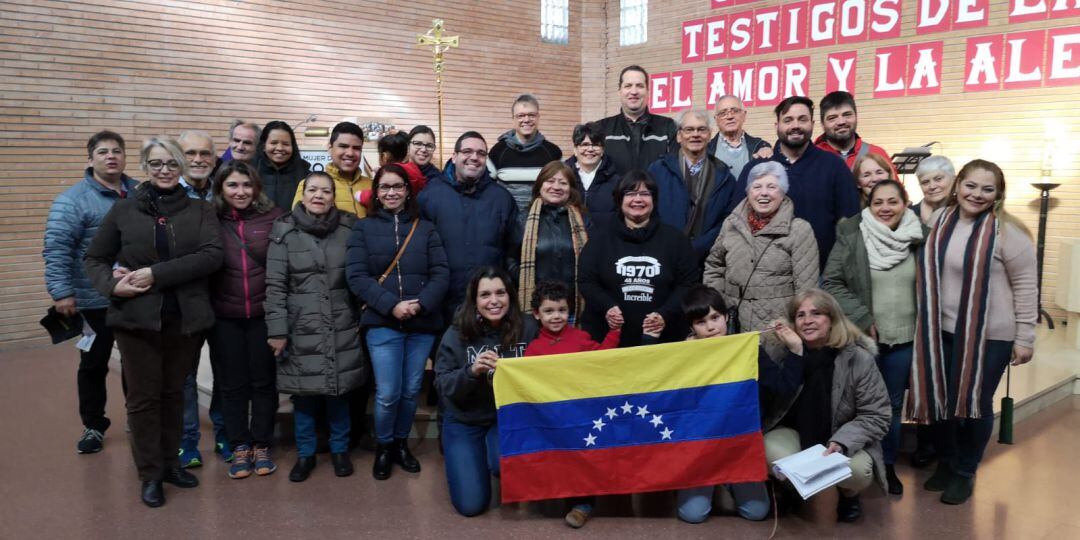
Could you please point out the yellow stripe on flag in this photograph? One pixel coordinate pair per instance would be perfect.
(634, 370)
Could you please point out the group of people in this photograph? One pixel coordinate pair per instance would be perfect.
(323, 285)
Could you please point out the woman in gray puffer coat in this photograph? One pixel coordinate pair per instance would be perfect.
(764, 255)
(311, 320)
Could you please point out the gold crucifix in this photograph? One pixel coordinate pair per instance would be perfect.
(439, 44)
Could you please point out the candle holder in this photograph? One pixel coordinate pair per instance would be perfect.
(1040, 247)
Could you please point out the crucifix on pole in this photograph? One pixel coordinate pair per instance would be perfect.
(439, 44)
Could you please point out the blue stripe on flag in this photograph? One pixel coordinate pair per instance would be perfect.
(687, 414)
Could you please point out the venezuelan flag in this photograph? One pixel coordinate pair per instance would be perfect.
(651, 418)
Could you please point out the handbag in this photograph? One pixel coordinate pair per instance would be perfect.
(733, 326)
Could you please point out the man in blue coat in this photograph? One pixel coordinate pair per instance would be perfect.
(821, 184)
(476, 217)
(696, 188)
(73, 221)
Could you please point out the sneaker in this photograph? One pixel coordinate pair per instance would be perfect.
(263, 464)
(90, 442)
(223, 449)
(576, 517)
(241, 465)
(190, 457)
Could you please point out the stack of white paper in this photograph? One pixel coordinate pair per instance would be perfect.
(810, 472)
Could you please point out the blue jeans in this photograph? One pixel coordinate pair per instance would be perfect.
(751, 501)
(471, 454)
(191, 413)
(398, 360)
(337, 417)
(894, 363)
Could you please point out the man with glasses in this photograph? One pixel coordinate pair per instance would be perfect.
(476, 217)
(731, 144)
(635, 137)
(516, 160)
(73, 220)
(820, 184)
(695, 187)
(198, 149)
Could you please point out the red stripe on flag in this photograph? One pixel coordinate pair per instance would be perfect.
(557, 474)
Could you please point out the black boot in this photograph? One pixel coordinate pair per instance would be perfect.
(940, 479)
(383, 462)
(342, 464)
(402, 456)
(895, 487)
(152, 493)
(848, 509)
(302, 470)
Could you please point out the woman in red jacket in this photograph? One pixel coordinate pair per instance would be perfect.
(242, 360)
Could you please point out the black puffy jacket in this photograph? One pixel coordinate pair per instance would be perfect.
(279, 183)
(634, 145)
(421, 274)
(599, 199)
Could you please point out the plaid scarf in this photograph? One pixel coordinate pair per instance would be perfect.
(928, 401)
(527, 269)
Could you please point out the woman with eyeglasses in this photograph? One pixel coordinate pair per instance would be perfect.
(636, 275)
(166, 246)
(422, 150)
(595, 174)
(397, 267)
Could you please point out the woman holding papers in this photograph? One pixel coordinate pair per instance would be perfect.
(489, 326)
(842, 403)
(871, 272)
(977, 298)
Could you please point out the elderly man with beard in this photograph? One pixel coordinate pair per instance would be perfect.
(696, 188)
(840, 122)
(820, 183)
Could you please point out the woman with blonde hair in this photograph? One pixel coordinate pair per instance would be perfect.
(868, 171)
(842, 403)
(977, 297)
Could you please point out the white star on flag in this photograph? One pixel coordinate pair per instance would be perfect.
(642, 411)
(590, 440)
(656, 420)
(611, 414)
(627, 408)
(666, 434)
(599, 424)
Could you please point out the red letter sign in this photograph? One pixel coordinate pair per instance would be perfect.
(840, 72)
(982, 63)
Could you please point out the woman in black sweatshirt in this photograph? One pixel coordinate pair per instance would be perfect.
(636, 273)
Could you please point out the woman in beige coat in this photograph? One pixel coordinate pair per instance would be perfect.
(764, 255)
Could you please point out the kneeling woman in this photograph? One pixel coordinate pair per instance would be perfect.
(311, 318)
(842, 404)
(489, 326)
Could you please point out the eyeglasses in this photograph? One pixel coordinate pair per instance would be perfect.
(482, 154)
(691, 130)
(387, 188)
(157, 164)
(418, 145)
(646, 194)
(730, 111)
(590, 146)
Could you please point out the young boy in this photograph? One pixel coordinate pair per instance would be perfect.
(551, 306)
(705, 310)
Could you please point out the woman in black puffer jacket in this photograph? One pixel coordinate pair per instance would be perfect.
(404, 302)
(279, 164)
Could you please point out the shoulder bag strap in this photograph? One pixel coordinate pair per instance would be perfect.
(400, 252)
(742, 290)
(243, 246)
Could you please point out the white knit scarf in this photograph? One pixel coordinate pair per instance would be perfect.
(885, 247)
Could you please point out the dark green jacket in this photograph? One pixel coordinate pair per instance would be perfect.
(126, 237)
(308, 302)
(847, 273)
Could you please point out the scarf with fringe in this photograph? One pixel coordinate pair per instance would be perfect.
(527, 269)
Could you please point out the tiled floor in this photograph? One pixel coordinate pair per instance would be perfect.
(47, 491)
